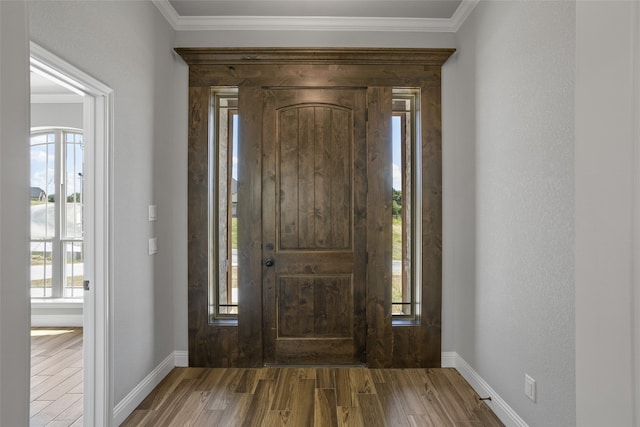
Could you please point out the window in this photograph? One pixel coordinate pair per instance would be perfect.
(57, 226)
(406, 206)
(223, 200)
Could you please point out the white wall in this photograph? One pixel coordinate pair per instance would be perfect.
(170, 166)
(607, 40)
(57, 115)
(459, 202)
(509, 203)
(128, 46)
(176, 201)
(14, 214)
(312, 39)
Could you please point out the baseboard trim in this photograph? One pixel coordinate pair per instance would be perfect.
(497, 404)
(56, 320)
(448, 359)
(182, 358)
(127, 405)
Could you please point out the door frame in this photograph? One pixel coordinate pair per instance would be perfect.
(97, 308)
(390, 343)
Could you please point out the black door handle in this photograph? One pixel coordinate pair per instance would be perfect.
(269, 262)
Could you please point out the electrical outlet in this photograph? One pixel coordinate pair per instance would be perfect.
(530, 387)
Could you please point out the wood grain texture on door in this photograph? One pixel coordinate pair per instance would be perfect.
(314, 226)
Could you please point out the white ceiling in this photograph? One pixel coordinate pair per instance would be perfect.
(44, 90)
(316, 15)
(40, 85)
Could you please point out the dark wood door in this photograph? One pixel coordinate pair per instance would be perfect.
(314, 226)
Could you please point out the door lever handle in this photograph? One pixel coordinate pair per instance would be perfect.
(269, 262)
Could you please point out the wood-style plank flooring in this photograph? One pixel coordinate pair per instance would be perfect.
(56, 377)
(301, 397)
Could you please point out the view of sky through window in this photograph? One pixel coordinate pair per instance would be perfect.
(396, 159)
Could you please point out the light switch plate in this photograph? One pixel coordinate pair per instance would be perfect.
(153, 212)
(153, 246)
(530, 387)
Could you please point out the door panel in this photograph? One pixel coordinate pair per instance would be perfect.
(316, 305)
(314, 177)
(314, 225)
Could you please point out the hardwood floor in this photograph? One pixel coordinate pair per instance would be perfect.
(295, 397)
(302, 397)
(56, 377)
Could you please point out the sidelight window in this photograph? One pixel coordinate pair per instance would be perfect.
(406, 203)
(223, 204)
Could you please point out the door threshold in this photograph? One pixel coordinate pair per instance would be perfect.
(281, 365)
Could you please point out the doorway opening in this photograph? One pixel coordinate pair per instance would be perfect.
(57, 229)
(70, 242)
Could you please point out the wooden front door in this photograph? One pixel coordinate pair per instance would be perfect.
(314, 226)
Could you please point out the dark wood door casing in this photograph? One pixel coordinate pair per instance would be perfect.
(376, 70)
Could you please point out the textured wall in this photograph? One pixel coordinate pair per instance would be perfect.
(509, 203)
(171, 196)
(459, 202)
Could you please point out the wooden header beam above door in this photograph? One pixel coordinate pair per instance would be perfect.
(333, 56)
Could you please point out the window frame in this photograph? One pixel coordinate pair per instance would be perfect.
(58, 287)
(217, 227)
(411, 196)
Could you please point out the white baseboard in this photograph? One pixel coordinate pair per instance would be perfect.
(497, 404)
(142, 390)
(448, 359)
(182, 358)
(56, 320)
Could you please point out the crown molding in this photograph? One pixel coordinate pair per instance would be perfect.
(315, 23)
(311, 23)
(462, 13)
(168, 12)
